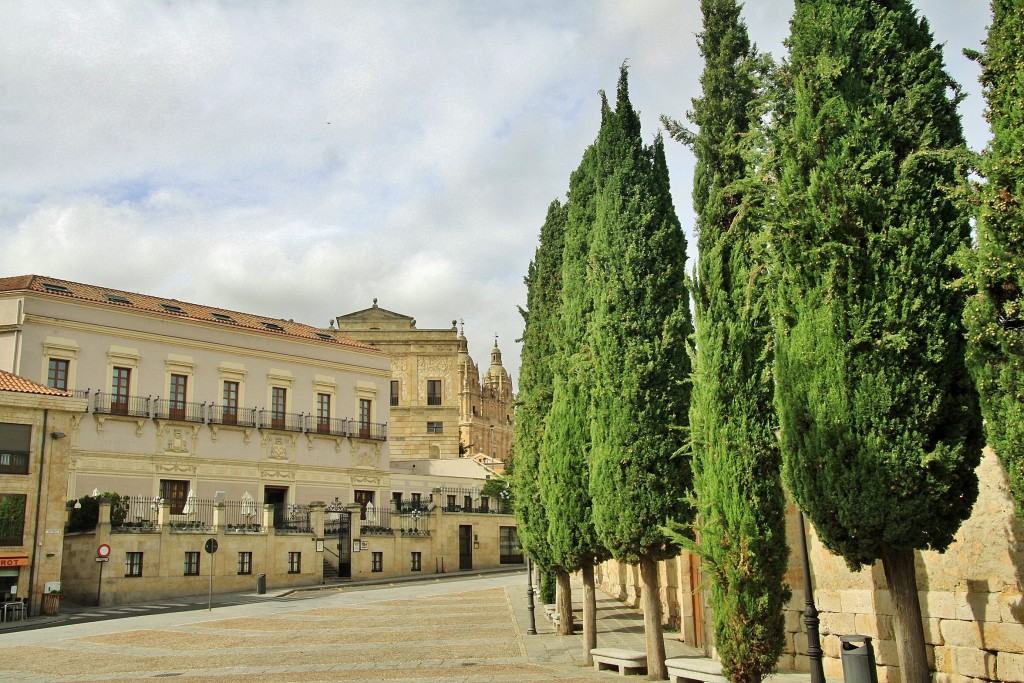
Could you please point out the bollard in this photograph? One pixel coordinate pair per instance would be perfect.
(858, 659)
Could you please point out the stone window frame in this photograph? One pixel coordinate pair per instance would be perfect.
(58, 348)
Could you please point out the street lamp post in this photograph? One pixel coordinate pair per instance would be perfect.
(532, 629)
(811, 621)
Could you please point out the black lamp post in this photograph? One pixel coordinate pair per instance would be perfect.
(532, 629)
(811, 621)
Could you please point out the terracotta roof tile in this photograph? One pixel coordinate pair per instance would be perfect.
(9, 382)
(116, 298)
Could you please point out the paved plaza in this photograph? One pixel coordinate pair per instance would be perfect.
(452, 629)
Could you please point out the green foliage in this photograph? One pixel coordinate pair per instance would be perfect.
(996, 353)
(637, 335)
(12, 519)
(86, 517)
(535, 385)
(880, 420)
(736, 462)
(547, 588)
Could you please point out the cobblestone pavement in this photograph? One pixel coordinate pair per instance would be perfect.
(456, 629)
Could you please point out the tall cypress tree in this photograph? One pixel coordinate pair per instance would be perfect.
(536, 377)
(741, 520)
(565, 472)
(640, 473)
(995, 317)
(880, 420)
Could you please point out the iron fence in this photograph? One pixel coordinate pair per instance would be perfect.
(292, 518)
(375, 522)
(134, 513)
(414, 523)
(119, 404)
(289, 422)
(330, 426)
(458, 499)
(196, 515)
(231, 415)
(242, 516)
(184, 411)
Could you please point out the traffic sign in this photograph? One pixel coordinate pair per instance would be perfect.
(103, 550)
(211, 545)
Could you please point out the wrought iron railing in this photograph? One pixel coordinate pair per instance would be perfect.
(368, 430)
(196, 515)
(457, 499)
(332, 426)
(414, 523)
(120, 404)
(242, 516)
(292, 518)
(376, 523)
(225, 415)
(289, 422)
(134, 513)
(185, 411)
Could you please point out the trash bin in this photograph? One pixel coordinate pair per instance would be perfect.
(858, 659)
(261, 584)
(51, 604)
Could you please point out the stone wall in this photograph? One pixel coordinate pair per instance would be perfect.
(970, 595)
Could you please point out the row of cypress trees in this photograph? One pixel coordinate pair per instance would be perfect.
(833, 231)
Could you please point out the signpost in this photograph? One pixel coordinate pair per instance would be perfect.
(211, 548)
(102, 556)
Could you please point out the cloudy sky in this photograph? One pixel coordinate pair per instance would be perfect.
(298, 159)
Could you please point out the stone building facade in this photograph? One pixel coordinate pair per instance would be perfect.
(971, 597)
(441, 406)
(35, 421)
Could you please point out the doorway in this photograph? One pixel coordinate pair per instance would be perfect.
(276, 496)
(465, 546)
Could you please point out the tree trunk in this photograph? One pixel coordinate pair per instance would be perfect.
(564, 603)
(589, 613)
(898, 565)
(650, 603)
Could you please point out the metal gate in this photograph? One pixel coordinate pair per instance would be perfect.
(338, 522)
(465, 546)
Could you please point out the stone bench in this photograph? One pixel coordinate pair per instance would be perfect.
(624, 661)
(685, 669)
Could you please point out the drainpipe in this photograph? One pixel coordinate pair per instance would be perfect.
(39, 505)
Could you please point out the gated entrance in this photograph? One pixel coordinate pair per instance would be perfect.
(465, 546)
(338, 522)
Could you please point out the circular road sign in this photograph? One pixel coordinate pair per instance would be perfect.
(103, 550)
(211, 545)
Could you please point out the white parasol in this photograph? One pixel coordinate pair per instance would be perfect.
(190, 503)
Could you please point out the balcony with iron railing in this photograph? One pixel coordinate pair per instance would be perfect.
(231, 415)
(288, 422)
(368, 430)
(183, 411)
(328, 426)
(121, 404)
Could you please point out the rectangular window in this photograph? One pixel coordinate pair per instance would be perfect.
(245, 563)
(433, 392)
(416, 500)
(119, 385)
(467, 503)
(363, 498)
(57, 375)
(435, 427)
(364, 417)
(323, 413)
(294, 563)
(396, 496)
(278, 401)
(417, 561)
(509, 549)
(175, 492)
(133, 564)
(450, 502)
(15, 443)
(179, 390)
(12, 518)
(230, 402)
(377, 562)
(484, 503)
(191, 563)
(394, 392)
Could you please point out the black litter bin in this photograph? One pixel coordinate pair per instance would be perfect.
(261, 584)
(858, 659)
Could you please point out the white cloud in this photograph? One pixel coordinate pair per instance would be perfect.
(297, 159)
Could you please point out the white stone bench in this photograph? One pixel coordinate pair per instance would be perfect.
(624, 661)
(685, 669)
